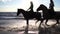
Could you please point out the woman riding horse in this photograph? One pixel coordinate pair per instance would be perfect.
(48, 13)
(29, 15)
(31, 7)
(51, 8)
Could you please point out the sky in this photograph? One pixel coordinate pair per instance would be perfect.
(13, 5)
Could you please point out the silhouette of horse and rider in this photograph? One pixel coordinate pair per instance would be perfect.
(47, 14)
(29, 15)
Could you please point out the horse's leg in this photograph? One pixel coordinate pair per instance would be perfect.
(39, 28)
(36, 22)
(46, 22)
(57, 21)
(26, 29)
(41, 22)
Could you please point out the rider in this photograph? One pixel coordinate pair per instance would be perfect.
(51, 8)
(31, 7)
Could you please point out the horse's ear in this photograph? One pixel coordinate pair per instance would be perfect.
(38, 9)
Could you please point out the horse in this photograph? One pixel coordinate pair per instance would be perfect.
(29, 15)
(47, 14)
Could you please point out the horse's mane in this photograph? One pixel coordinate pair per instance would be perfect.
(21, 10)
(43, 6)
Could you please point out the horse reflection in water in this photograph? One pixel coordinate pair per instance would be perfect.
(29, 15)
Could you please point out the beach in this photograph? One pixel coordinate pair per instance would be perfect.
(12, 24)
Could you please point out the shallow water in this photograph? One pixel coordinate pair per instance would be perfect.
(20, 23)
(16, 24)
(30, 32)
(9, 23)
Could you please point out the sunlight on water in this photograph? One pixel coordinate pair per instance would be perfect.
(16, 25)
(20, 23)
(31, 32)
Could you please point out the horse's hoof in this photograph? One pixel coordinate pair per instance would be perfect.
(48, 25)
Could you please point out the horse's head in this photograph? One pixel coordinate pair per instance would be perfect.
(41, 7)
(19, 11)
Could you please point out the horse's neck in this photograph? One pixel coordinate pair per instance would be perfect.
(45, 10)
(23, 12)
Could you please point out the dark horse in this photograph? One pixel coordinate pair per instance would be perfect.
(47, 14)
(29, 15)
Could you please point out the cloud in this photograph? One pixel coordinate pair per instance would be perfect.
(5, 0)
(24, 4)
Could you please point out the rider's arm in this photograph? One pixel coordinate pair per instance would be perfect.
(28, 9)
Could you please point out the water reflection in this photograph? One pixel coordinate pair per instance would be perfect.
(21, 24)
(30, 32)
